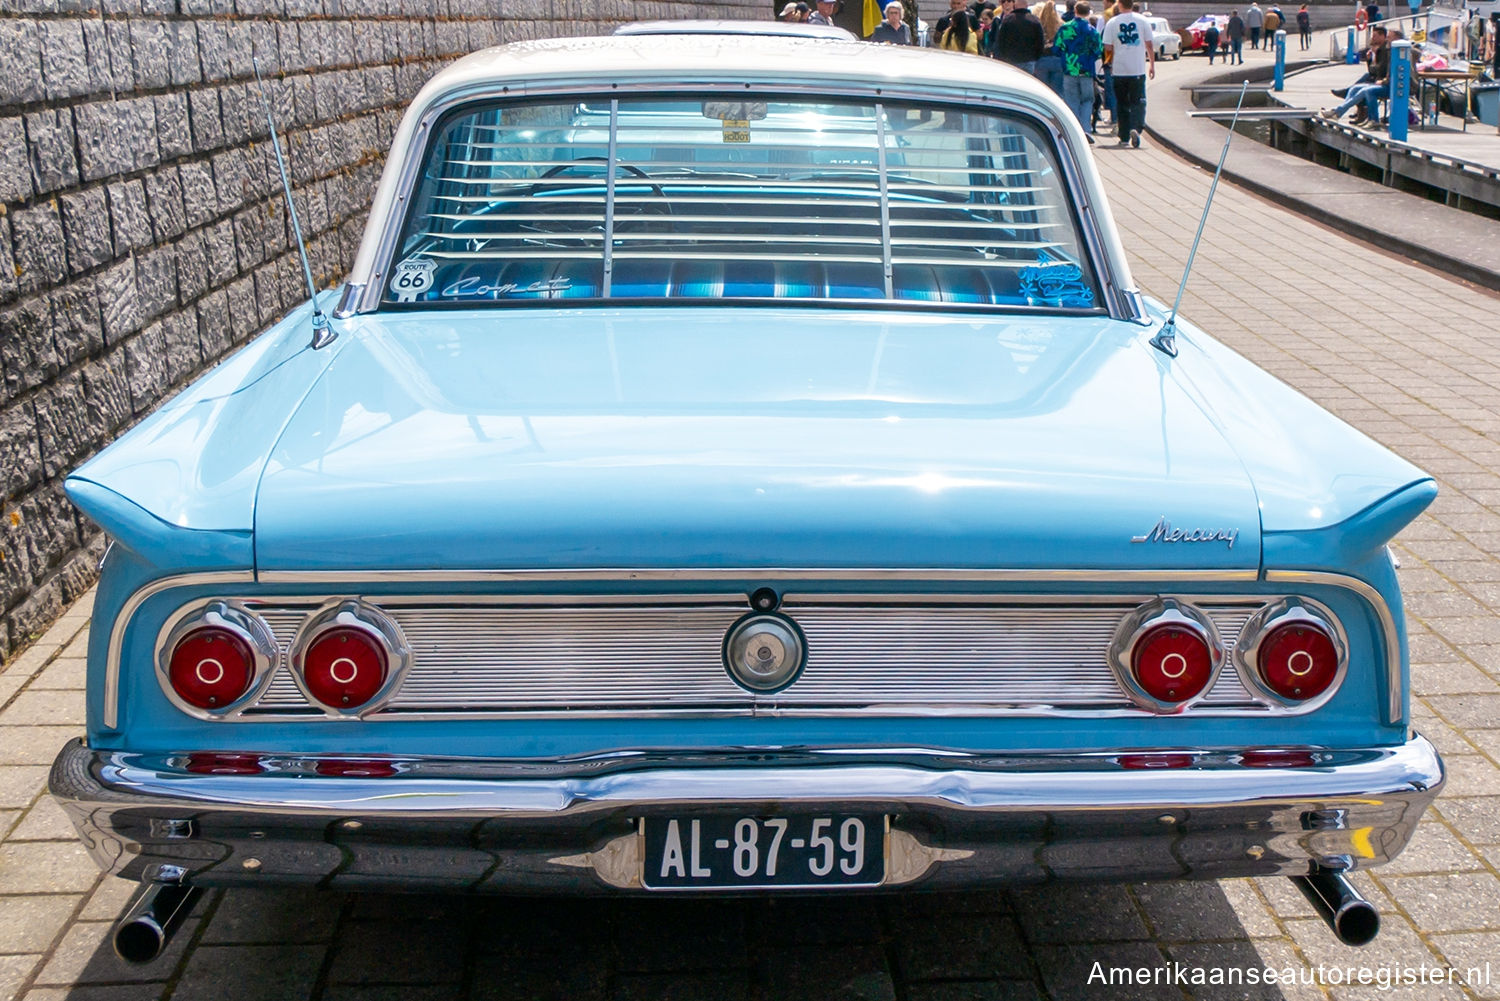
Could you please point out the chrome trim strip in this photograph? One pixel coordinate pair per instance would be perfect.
(607, 281)
(480, 788)
(936, 575)
(133, 603)
(816, 701)
(887, 270)
(1395, 704)
(127, 612)
(348, 304)
(875, 91)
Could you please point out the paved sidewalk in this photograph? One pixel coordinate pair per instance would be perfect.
(1408, 356)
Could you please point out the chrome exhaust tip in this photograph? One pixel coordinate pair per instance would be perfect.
(1352, 919)
(153, 917)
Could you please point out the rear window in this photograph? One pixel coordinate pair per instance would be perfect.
(694, 198)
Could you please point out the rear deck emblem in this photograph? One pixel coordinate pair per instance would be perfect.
(1163, 531)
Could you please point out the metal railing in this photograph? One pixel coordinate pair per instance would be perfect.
(1438, 26)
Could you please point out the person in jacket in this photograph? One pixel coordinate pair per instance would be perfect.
(1131, 50)
(1304, 27)
(1020, 39)
(892, 31)
(1235, 29)
(1079, 47)
(1367, 95)
(1254, 20)
(824, 13)
(1211, 40)
(1271, 24)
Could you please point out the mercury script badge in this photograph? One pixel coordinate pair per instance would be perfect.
(1164, 532)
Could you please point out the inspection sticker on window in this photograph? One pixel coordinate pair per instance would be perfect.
(736, 130)
(412, 277)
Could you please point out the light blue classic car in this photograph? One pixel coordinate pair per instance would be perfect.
(720, 478)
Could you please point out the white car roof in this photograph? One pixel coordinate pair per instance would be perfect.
(762, 28)
(762, 57)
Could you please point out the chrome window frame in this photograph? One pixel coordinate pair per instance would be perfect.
(1120, 301)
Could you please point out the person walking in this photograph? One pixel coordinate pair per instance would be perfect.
(1020, 39)
(1254, 18)
(1272, 22)
(1235, 29)
(1079, 47)
(1211, 40)
(1304, 27)
(824, 13)
(1131, 50)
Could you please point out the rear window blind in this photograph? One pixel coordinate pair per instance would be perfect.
(705, 198)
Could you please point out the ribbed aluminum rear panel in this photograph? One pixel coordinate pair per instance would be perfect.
(499, 659)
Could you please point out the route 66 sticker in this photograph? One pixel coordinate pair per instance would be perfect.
(412, 277)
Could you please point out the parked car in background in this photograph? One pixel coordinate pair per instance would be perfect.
(1191, 36)
(711, 482)
(1168, 45)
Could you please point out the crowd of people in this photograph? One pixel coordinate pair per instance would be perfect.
(1098, 62)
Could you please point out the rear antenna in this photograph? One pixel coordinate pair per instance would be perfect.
(1165, 340)
(323, 334)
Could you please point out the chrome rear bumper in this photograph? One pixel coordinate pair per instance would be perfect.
(571, 825)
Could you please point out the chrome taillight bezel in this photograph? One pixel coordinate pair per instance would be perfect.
(1133, 628)
(1289, 610)
(351, 613)
(248, 627)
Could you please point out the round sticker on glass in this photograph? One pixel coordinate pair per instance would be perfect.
(412, 277)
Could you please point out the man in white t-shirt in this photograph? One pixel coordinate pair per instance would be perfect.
(1131, 51)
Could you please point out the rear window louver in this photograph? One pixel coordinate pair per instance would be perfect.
(656, 199)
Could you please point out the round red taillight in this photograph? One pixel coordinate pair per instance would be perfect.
(211, 667)
(1297, 661)
(344, 667)
(1172, 663)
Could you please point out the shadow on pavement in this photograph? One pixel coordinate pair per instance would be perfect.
(1037, 942)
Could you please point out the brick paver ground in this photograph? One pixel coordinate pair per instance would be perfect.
(1396, 350)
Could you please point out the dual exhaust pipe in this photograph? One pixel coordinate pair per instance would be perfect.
(158, 910)
(153, 917)
(1352, 919)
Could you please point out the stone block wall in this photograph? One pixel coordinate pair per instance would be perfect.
(142, 231)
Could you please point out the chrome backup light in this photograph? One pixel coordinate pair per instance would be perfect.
(218, 659)
(348, 658)
(1166, 655)
(764, 653)
(1292, 653)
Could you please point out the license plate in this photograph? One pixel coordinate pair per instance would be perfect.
(729, 852)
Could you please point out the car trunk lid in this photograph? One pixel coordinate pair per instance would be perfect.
(710, 438)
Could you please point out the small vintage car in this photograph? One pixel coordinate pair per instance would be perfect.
(742, 464)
